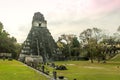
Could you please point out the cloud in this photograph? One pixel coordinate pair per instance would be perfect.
(104, 5)
(63, 16)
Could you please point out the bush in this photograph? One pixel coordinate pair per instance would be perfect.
(10, 59)
(61, 77)
(61, 67)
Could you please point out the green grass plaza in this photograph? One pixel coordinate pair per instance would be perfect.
(79, 70)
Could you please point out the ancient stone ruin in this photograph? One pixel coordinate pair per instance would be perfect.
(39, 41)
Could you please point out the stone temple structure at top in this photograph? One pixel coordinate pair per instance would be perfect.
(39, 20)
(39, 41)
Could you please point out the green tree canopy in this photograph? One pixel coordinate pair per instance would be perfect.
(8, 44)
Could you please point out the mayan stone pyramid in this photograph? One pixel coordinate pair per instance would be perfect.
(39, 40)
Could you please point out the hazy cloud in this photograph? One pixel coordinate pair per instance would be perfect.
(63, 16)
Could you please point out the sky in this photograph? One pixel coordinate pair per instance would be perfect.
(63, 16)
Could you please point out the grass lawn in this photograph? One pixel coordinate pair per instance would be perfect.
(81, 70)
(14, 70)
(84, 70)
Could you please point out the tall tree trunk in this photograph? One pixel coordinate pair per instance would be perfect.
(91, 57)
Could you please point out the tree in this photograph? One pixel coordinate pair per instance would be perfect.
(75, 47)
(69, 42)
(1, 27)
(75, 42)
(8, 44)
(90, 39)
(97, 34)
(85, 36)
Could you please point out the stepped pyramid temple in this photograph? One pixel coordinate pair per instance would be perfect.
(39, 41)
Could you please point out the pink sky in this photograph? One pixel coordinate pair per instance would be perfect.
(104, 5)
